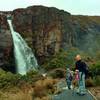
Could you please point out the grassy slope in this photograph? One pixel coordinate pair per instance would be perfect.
(86, 19)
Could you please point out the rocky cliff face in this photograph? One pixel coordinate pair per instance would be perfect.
(6, 45)
(87, 29)
(47, 30)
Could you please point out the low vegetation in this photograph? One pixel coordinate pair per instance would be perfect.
(34, 86)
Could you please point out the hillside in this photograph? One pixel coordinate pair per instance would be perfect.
(47, 31)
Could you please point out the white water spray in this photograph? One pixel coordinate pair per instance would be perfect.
(24, 57)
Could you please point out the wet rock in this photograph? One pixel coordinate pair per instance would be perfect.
(6, 45)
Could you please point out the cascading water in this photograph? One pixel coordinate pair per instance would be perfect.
(24, 57)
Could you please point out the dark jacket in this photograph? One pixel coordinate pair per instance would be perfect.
(81, 66)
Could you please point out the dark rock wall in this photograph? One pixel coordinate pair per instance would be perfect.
(47, 30)
(87, 29)
(6, 45)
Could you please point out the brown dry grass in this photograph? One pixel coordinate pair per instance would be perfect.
(96, 92)
(40, 90)
(15, 96)
(24, 92)
(44, 87)
(89, 82)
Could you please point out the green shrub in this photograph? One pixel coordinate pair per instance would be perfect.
(30, 76)
(8, 79)
(31, 73)
(62, 59)
(57, 74)
(97, 80)
(95, 68)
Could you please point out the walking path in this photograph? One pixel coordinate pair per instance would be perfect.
(69, 95)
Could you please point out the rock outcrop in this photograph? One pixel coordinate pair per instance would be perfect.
(87, 29)
(47, 30)
(6, 45)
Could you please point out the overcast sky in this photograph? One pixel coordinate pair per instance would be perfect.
(83, 7)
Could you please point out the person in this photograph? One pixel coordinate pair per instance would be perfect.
(76, 79)
(81, 66)
(69, 78)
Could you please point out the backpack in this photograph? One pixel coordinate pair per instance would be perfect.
(86, 70)
(71, 77)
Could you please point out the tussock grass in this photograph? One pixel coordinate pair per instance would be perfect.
(15, 96)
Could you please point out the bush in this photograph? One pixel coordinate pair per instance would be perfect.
(57, 60)
(95, 68)
(57, 73)
(93, 82)
(62, 59)
(32, 76)
(8, 79)
(44, 87)
(89, 82)
(97, 80)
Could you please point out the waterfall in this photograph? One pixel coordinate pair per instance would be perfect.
(24, 57)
